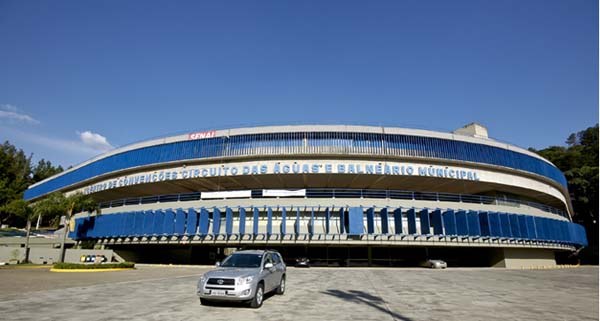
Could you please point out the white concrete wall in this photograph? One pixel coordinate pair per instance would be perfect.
(516, 180)
(47, 255)
(512, 258)
(326, 202)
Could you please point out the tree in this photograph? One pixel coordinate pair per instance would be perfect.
(22, 209)
(16, 174)
(15, 168)
(572, 140)
(67, 205)
(43, 170)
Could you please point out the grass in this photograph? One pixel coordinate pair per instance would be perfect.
(78, 266)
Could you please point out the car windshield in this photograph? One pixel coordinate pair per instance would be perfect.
(243, 260)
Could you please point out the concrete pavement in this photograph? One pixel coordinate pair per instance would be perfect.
(167, 293)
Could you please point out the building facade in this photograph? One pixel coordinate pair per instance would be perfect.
(341, 195)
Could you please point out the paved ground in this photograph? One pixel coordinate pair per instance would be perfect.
(167, 293)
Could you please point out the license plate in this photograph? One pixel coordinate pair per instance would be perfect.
(217, 292)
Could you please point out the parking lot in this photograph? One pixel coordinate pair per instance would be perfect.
(168, 293)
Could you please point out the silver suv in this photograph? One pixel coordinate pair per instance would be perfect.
(244, 276)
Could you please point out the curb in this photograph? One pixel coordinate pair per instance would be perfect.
(89, 270)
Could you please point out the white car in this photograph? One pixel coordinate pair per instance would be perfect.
(435, 264)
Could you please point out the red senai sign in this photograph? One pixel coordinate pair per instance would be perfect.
(201, 135)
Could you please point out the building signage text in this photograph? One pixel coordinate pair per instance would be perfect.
(286, 168)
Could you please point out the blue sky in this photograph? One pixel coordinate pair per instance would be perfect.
(80, 77)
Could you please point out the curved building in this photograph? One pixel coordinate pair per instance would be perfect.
(357, 195)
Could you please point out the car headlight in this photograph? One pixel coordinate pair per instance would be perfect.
(202, 278)
(246, 280)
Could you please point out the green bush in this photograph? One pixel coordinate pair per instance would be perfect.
(71, 266)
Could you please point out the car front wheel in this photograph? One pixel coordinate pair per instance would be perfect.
(257, 301)
(281, 288)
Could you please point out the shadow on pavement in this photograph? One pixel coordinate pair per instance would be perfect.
(361, 297)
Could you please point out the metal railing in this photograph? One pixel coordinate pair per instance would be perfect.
(352, 193)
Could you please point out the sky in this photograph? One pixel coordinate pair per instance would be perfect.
(78, 78)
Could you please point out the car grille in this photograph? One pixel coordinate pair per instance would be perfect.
(219, 281)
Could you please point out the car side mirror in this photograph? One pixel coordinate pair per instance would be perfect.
(268, 265)
(218, 264)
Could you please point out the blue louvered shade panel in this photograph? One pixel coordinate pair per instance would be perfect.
(192, 222)
(580, 235)
(103, 230)
(540, 228)
(573, 233)
(546, 229)
(398, 221)
(255, 221)
(168, 222)
(179, 222)
(462, 224)
(242, 221)
(370, 220)
(269, 221)
(494, 221)
(81, 226)
(111, 224)
(450, 223)
(384, 220)
(130, 224)
(556, 230)
(552, 230)
(95, 227)
(283, 219)
(101, 223)
(530, 221)
(411, 217)
(565, 231)
(424, 220)
(474, 224)
(514, 225)
(228, 221)
(355, 220)
(87, 227)
(436, 221)
(484, 224)
(159, 218)
(203, 224)
(216, 219)
(505, 225)
(342, 221)
(119, 224)
(144, 223)
(127, 220)
(523, 227)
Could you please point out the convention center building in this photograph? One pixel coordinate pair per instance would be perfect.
(338, 195)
